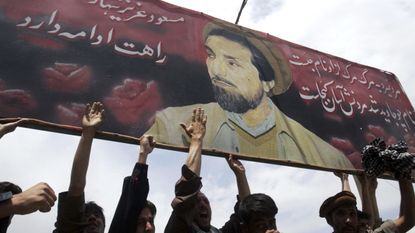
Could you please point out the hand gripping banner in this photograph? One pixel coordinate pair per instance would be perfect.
(151, 63)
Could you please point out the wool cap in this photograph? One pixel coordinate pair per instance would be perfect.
(331, 203)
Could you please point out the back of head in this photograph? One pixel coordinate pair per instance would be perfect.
(8, 189)
(258, 204)
(152, 207)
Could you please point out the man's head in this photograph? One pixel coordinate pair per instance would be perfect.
(240, 72)
(13, 189)
(257, 213)
(340, 212)
(145, 222)
(203, 213)
(95, 218)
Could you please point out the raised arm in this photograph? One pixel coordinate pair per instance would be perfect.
(188, 186)
(239, 170)
(8, 127)
(406, 219)
(147, 144)
(344, 178)
(134, 193)
(196, 130)
(372, 186)
(368, 196)
(92, 119)
(39, 197)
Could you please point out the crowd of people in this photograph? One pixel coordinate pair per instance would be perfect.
(191, 210)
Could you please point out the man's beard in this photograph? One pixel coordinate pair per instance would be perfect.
(235, 102)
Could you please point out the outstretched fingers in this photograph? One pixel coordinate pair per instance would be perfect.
(187, 130)
(94, 115)
(97, 108)
(87, 110)
(204, 120)
(194, 115)
(201, 115)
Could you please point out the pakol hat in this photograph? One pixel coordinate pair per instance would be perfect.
(331, 203)
(280, 66)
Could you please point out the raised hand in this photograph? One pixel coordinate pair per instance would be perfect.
(147, 144)
(368, 181)
(93, 115)
(344, 177)
(8, 127)
(239, 170)
(341, 175)
(235, 165)
(197, 127)
(196, 130)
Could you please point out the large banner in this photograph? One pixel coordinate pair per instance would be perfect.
(151, 63)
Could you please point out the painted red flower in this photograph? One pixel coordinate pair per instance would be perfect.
(67, 77)
(134, 101)
(16, 101)
(70, 113)
(344, 145)
(349, 150)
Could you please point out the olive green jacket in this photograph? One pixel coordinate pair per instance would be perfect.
(294, 142)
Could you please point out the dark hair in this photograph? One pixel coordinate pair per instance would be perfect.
(266, 73)
(362, 215)
(93, 208)
(7, 187)
(257, 204)
(152, 207)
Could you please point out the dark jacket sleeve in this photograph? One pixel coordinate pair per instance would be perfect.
(71, 211)
(132, 201)
(186, 190)
(233, 225)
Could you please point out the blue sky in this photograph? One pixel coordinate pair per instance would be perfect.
(378, 33)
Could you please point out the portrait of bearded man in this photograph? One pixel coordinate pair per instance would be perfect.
(245, 71)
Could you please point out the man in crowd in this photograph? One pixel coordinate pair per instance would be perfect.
(134, 213)
(368, 218)
(191, 208)
(74, 215)
(13, 201)
(257, 214)
(245, 71)
(341, 213)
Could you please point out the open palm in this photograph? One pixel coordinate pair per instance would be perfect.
(93, 115)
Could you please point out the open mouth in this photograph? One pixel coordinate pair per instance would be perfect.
(93, 225)
(349, 229)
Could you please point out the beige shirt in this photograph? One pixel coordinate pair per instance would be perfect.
(289, 140)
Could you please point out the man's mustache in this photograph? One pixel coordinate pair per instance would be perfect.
(217, 78)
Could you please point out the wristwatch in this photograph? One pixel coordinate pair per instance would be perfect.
(4, 196)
